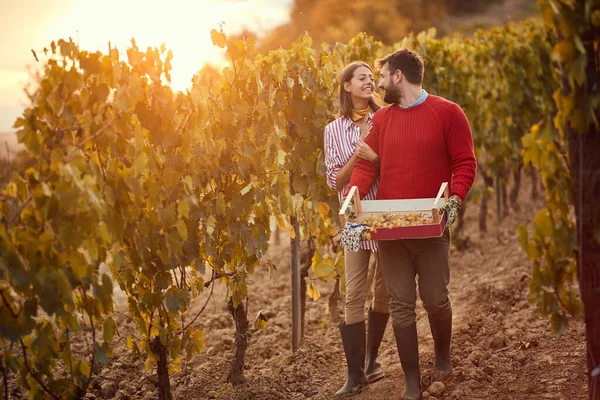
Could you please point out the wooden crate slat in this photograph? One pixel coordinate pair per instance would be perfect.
(412, 205)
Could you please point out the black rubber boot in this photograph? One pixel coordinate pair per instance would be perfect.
(442, 337)
(375, 329)
(353, 339)
(408, 350)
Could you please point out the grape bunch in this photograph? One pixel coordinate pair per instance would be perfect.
(374, 221)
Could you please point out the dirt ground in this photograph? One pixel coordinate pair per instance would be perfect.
(502, 348)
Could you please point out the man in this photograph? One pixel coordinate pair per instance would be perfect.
(422, 140)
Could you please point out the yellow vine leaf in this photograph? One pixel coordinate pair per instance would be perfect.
(260, 322)
(311, 289)
(197, 338)
(182, 229)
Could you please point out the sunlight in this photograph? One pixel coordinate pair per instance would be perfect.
(184, 27)
(11, 84)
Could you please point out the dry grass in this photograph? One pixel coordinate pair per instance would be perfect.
(12, 157)
(9, 146)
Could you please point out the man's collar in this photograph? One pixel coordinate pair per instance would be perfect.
(422, 97)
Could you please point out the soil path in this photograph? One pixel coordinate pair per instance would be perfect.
(502, 348)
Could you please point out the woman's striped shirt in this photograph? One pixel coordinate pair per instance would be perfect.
(341, 138)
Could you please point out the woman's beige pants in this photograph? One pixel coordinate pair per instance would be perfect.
(357, 277)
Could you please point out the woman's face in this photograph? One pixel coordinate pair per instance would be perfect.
(362, 84)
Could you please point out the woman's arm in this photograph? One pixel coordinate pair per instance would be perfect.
(333, 163)
(343, 176)
(365, 172)
(339, 175)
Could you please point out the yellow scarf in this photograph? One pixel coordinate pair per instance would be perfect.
(359, 114)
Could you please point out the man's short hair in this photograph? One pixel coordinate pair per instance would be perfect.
(407, 61)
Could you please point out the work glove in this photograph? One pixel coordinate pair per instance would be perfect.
(351, 236)
(451, 208)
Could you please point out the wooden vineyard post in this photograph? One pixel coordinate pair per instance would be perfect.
(295, 279)
(499, 189)
(296, 286)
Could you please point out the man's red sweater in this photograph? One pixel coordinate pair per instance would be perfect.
(419, 148)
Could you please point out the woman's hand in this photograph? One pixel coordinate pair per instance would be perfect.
(365, 128)
(365, 152)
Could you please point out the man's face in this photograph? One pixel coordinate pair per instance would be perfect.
(386, 82)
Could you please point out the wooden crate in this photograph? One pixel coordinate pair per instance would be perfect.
(427, 220)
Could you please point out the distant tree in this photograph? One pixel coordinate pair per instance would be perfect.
(422, 14)
(386, 20)
(461, 7)
(245, 34)
(339, 20)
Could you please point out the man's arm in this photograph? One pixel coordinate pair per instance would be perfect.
(459, 141)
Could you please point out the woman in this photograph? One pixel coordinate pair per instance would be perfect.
(344, 143)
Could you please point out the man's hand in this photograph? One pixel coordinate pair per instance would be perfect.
(452, 208)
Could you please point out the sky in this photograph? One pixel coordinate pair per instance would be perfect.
(183, 25)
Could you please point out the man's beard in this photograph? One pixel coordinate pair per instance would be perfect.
(392, 94)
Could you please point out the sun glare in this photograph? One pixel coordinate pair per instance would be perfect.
(184, 27)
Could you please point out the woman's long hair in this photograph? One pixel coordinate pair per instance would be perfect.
(346, 98)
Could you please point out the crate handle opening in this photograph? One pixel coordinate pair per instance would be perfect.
(351, 195)
(434, 210)
(443, 190)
